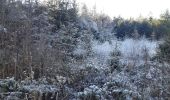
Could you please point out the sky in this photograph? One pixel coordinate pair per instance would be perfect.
(128, 8)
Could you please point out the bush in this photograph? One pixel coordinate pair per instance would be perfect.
(114, 62)
(164, 50)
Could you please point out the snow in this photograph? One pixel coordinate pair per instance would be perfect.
(79, 51)
(127, 47)
(102, 49)
(135, 47)
(2, 29)
(130, 49)
(149, 76)
(88, 23)
(41, 88)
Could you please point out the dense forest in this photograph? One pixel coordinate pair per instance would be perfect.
(59, 51)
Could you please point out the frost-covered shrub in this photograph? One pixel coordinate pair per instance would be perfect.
(84, 76)
(164, 50)
(91, 93)
(8, 85)
(2, 29)
(114, 61)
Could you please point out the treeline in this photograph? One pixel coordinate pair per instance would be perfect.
(149, 27)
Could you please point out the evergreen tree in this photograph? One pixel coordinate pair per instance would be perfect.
(164, 48)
